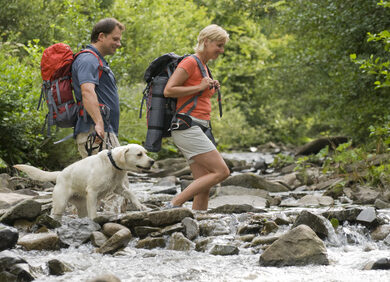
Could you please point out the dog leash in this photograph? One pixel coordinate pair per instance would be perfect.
(89, 147)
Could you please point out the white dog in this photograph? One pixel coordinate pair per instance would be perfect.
(86, 181)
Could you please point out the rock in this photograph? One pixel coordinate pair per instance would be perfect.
(57, 267)
(111, 228)
(10, 199)
(144, 231)
(8, 237)
(202, 245)
(237, 204)
(151, 243)
(26, 209)
(135, 219)
(168, 217)
(254, 181)
(315, 200)
(167, 181)
(178, 242)
(224, 250)
(319, 224)
(105, 278)
(233, 208)
(300, 246)
(269, 227)
(169, 230)
(75, 232)
(368, 218)
(343, 215)
(40, 241)
(165, 190)
(249, 229)
(191, 228)
(364, 195)
(47, 221)
(381, 232)
(383, 263)
(14, 268)
(213, 228)
(98, 238)
(380, 204)
(263, 240)
(116, 242)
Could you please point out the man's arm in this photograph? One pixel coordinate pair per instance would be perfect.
(91, 105)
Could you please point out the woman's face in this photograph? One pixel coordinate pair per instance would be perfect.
(214, 48)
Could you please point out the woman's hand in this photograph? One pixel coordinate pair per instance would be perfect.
(209, 83)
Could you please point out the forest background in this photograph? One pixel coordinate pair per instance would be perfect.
(293, 70)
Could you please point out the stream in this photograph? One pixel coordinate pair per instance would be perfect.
(347, 259)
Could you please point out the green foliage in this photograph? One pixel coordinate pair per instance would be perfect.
(19, 124)
(335, 223)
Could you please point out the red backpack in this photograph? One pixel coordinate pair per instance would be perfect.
(57, 90)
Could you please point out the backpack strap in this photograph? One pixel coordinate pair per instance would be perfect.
(100, 68)
(204, 74)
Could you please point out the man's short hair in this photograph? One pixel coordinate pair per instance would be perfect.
(106, 26)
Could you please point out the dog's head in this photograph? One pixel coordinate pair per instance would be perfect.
(131, 157)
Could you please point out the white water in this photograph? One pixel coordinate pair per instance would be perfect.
(346, 261)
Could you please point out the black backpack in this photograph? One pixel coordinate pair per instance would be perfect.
(161, 111)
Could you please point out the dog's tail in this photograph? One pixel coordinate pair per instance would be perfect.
(37, 174)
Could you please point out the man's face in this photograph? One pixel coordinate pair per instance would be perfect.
(110, 42)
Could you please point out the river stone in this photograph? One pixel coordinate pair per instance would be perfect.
(263, 240)
(269, 227)
(364, 195)
(168, 230)
(202, 244)
(224, 250)
(8, 237)
(319, 224)
(26, 209)
(40, 241)
(13, 268)
(57, 267)
(178, 242)
(48, 221)
(169, 216)
(383, 263)
(300, 246)
(229, 209)
(77, 231)
(315, 200)
(135, 219)
(249, 229)
(343, 215)
(380, 233)
(116, 242)
(214, 228)
(98, 238)
(151, 243)
(10, 199)
(191, 228)
(380, 204)
(111, 228)
(254, 181)
(144, 231)
(368, 217)
(238, 200)
(167, 181)
(105, 278)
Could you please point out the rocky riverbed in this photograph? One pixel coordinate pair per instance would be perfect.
(263, 224)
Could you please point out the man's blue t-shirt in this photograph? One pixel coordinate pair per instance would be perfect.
(85, 69)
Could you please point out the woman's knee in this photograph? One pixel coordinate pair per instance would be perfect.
(223, 173)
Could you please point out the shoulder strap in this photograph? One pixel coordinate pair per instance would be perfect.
(204, 74)
(97, 57)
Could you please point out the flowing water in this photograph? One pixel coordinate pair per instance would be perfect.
(347, 258)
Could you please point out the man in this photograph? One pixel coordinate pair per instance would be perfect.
(94, 84)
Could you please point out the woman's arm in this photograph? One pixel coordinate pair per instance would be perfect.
(175, 88)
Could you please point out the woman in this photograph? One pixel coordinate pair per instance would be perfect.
(207, 165)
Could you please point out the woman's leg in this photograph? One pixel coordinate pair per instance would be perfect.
(208, 169)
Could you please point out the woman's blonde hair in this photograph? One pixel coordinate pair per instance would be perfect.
(212, 32)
